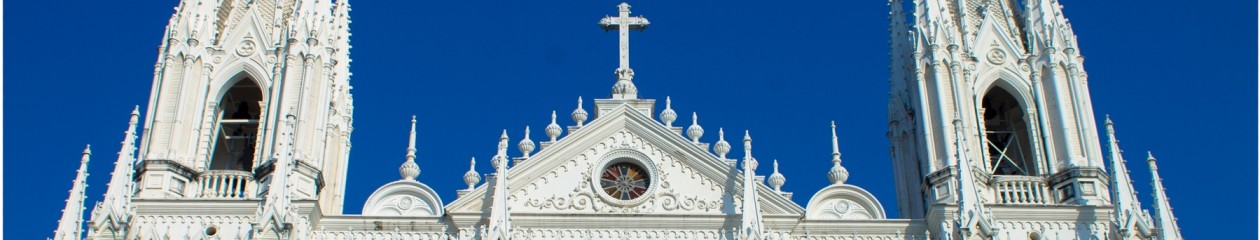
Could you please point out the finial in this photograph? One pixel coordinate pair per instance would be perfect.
(668, 115)
(776, 179)
(838, 174)
(503, 142)
(553, 129)
(472, 177)
(835, 144)
(695, 131)
(750, 163)
(721, 147)
(526, 146)
(1150, 157)
(579, 114)
(409, 170)
(500, 158)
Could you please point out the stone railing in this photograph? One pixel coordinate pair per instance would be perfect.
(225, 184)
(1021, 190)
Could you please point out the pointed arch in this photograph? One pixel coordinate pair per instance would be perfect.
(1008, 126)
(239, 104)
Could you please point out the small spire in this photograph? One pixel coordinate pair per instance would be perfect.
(750, 163)
(695, 131)
(472, 177)
(500, 158)
(1164, 219)
(838, 174)
(721, 147)
(526, 146)
(70, 225)
(553, 129)
(668, 115)
(579, 114)
(409, 170)
(776, 179)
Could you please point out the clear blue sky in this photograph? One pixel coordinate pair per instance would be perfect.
(1178, 77)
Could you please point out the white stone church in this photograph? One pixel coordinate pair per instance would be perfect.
(992, 129)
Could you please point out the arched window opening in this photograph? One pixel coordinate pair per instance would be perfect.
(1006, 134)
(237, 127)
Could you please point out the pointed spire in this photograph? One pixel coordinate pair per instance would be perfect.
(838, 174)
(500, 227)
(751, 227)
(1164, 219)
(721, 147)
(695, 131)
(70, 225)
(668, 115)
(117, 199)
(409, 170)
(553, 129)
(526, 146)
(1127, 207)
(750, 163)
(579, 114)
(500, 157)
(472, 177)
(776, 179)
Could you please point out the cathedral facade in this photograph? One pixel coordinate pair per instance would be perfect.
(247, 136)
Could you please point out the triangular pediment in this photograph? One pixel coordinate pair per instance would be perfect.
(685, 177)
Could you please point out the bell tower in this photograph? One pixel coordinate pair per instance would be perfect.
(997, 86)
(227, 75)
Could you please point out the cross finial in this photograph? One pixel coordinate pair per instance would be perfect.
(623, 22)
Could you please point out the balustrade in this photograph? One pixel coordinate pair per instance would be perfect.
(1021, 190)
(225, 184)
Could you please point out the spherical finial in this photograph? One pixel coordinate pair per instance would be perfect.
(721, 147)
(776, 179)
(838, 174)
(409, 170)
(668, 115)
(579, 114)
(553, 129)
(695, 131)
(526, 145)
(472, 177)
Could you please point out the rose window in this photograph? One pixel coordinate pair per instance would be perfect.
(625, 181)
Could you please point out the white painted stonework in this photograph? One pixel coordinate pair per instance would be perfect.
(989, 102)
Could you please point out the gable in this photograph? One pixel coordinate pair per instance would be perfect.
(686, 178)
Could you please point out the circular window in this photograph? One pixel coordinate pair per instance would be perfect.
(625, 181)
(624, 178)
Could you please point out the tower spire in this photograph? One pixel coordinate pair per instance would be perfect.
(114, 209)
(838, 174)
(1164, 218)
(623, 22)
(409, 170)
(70, 225)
